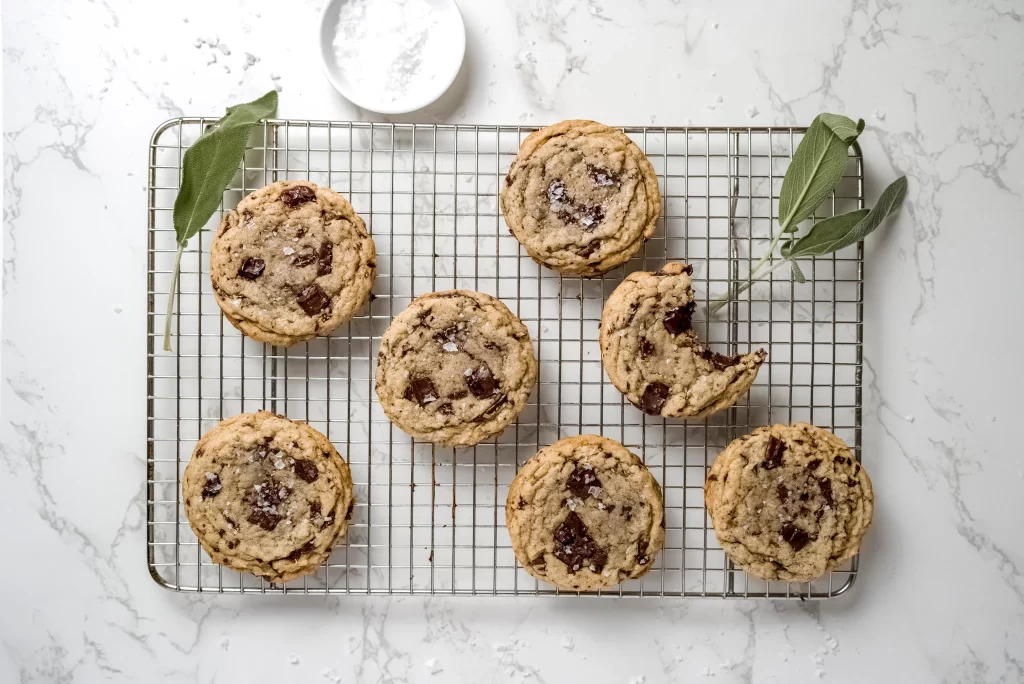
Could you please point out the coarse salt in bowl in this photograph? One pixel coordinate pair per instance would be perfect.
(392, 56)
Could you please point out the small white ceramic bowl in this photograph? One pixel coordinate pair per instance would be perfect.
(435, 75)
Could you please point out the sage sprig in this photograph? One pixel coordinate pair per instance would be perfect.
(833, 234)
(207, 168)
(813, 175)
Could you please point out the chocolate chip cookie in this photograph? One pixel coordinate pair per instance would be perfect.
(585, 513)
(789, 502)
(581, 197)
(653, 357)
(455, 368)
(290, 262)
(267, 495)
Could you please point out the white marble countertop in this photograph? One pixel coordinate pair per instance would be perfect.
(941, 591)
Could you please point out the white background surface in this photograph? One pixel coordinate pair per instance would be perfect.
(941, 594)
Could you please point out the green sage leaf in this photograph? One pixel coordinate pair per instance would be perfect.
(843, 127)
(833, 234)
(798, 275)
(211, 162)
(823, 232)
(817, 167)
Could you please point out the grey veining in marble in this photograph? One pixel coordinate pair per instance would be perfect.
(941, 84)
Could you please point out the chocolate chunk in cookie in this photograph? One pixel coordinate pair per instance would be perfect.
(794, 536)
(773, 454)
(498, 403)
(252, 268)
(576, 548)
(646, 348)
(297, 194)
(720, 361)
(422, 390)
(678, 319)
(583, 480)
(265, 518)
(601, 177)
(572, 212)
(556, 192)
(306, 549)
(481, 382)
(313, 300)
(325, 259)
(212, 487)
(306, 470)
(641, 552)
(264, 502)
(453, 337)
(825, 486)
(654, 398)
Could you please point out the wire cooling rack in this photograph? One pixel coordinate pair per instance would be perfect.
(430, 520)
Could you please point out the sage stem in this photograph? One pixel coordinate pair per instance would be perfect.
(170, 298)
(735, 290)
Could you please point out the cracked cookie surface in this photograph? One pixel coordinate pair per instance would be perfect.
(789, 502)
(455, 368)
(267, 495)
(585, 514)
(652, 355)
(581, 197)
(290, 262)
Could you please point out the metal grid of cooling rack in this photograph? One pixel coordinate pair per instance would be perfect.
(430, 520)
